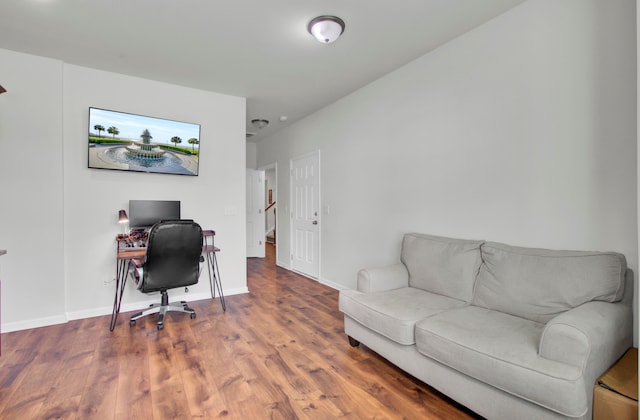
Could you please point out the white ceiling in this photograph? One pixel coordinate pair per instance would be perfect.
(258, 49)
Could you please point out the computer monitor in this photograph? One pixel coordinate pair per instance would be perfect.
(145, 213)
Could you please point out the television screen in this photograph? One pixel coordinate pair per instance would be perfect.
(130, 142)
(146, 213)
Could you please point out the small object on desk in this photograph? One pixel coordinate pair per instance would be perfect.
(138, 234)
(134, 248)
(125, 243)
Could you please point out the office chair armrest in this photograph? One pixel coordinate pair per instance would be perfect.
(136, 268)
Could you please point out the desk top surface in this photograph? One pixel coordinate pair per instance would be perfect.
(141, 251)
(126, 254)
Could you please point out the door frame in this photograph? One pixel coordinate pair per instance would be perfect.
(259, 251)
(291, 205)
(265, 168)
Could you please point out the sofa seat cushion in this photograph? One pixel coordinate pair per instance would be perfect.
(394, 313)
(502, 350)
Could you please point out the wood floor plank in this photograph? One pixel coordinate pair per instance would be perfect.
(134, 393)
(99, 395)
(62, 401)
(26, 400)
(196, 377)
(39, 373)
(231, 388)
(167, 389)
(279, 352)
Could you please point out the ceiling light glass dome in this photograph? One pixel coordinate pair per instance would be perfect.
(326, 29)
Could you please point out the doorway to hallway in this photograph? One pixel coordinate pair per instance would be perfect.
(255, 213)
(271, 204)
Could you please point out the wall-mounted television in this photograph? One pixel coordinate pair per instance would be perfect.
(130, 142)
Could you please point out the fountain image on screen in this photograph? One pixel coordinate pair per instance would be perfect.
(130, 142)
(145, 213)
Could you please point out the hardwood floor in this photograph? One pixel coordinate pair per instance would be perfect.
(278, 352)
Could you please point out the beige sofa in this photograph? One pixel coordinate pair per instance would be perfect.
(508, 332)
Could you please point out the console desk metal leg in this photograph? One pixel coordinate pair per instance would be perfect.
(214, 278)
(121, 281)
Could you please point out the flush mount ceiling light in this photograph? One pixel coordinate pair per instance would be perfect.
(326, 29)
(260, 123)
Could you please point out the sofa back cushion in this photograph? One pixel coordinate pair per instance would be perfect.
(441, 265)
(538, 284)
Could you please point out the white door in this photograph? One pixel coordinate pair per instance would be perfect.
(305, 214)
(255, 213)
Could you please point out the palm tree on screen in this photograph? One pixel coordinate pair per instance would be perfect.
(98, 128)
(113, 131)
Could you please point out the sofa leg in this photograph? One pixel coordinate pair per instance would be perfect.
(353, 342)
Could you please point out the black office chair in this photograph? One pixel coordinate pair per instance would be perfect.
(172, 260)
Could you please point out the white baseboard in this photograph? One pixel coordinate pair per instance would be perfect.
(33, 323)
(106, 310)
(283, 265)
(332, 285)
(324, 281)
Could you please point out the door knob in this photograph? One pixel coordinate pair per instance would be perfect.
(315, 222)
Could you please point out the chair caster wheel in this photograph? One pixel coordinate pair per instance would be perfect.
(193, 315)
(160, 327)
(132, 323)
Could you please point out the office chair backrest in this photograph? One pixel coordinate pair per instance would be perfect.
(173, 255)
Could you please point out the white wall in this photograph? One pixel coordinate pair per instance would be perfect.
(31, 218)
(64, 215)
(251, 155)
(521, 131)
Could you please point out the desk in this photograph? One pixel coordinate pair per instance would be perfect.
(124, 257)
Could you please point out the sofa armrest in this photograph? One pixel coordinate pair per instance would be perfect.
(383, 278)
(591, 336)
